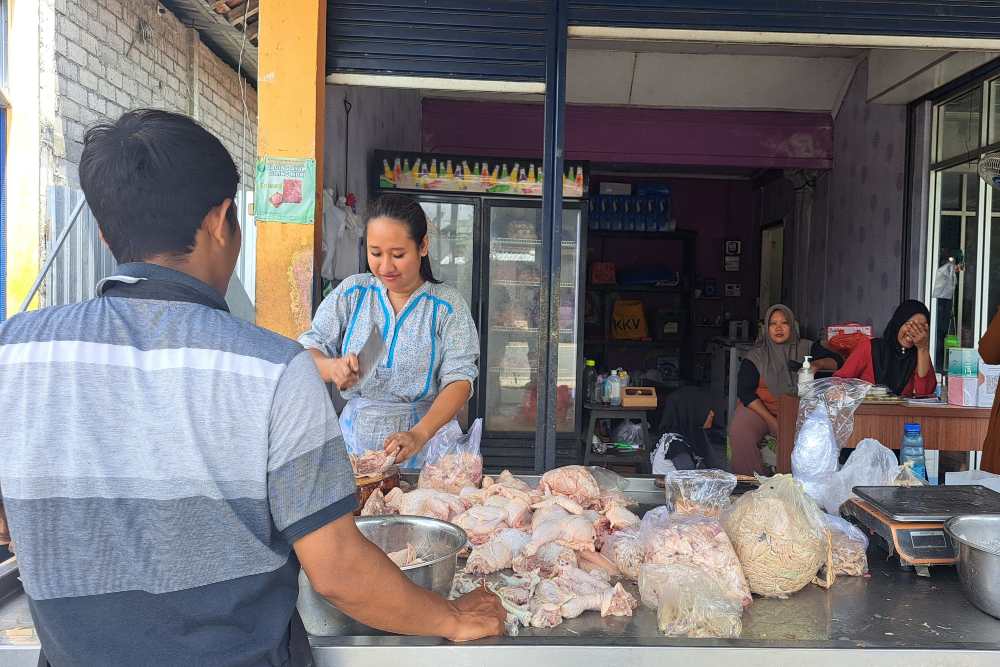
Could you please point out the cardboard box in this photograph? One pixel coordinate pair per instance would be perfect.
(963, 362)
(639, 397)
(988, 376)
(848, 328)
(963, 391)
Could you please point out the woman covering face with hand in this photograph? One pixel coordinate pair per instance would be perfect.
(426, 374)
(900, 360)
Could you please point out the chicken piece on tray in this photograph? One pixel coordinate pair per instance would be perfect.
(518, 512)
(574, 482)
(574, 592)
(574, 532)
(498, 553)
(481, 522)
(590, 561)
(376, 505)
(426, 502)
(549, 561)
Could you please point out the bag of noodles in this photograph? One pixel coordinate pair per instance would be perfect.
(779, 537)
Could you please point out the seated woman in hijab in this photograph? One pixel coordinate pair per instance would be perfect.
(769, 371)
(900, 360)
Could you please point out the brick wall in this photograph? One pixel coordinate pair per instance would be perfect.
(116, 55)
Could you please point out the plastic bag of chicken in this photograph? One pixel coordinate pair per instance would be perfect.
(453, 461)
(689, 602)
(704, 492)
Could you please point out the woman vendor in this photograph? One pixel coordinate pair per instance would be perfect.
(900, 360)
(425, 376)
(769, 371)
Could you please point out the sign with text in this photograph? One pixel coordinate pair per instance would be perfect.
(285, 190)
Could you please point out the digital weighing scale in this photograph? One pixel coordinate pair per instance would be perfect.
(908, 521)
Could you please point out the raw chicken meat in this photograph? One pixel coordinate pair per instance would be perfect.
(372, 462)
(394, 499)
(591, 561)
(574, 482)
(568, 504)
(376, 505)
(698, 541)
(470, 495)
(573, 592)
(405, 557)
(619, 517)
(429, 503)
(506, 478)
(481, 522)
(452, 472)
(547, 513)
(624, 550)
(518, 513)
(549, 561)
(689, 602)
(614, 497)
(574, 532)
(498, 553)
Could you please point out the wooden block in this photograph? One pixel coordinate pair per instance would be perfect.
(639, 397)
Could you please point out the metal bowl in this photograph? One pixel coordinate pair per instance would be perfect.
(977, 545)
(437, 543)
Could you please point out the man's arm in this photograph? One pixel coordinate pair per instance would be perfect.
(361, 581)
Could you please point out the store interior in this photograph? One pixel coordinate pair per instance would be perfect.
(720, 179)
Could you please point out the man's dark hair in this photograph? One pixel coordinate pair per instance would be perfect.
(150, 178)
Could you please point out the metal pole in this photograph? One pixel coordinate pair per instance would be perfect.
(52, 255)
(552, 204)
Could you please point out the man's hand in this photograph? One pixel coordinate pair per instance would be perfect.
(404, 444)
(477, 614)
(344, 371)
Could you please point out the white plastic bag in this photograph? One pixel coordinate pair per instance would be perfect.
(630, 433)
(453, 461)
(662, 465)
(870, 464)
(825, 422)
(944, 281)
(689, 602)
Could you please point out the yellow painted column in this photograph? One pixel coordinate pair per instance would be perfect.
(290, 105)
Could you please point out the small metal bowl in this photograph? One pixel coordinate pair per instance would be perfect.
(437, 543)
(977, 545)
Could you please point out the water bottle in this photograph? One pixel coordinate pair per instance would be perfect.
(613, 388)
(912, 450)
(590, 381)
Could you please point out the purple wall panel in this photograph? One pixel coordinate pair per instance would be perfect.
(764, 139)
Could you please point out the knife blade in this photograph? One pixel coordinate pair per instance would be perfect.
(370, 354)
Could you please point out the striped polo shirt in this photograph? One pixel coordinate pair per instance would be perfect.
(159, 458)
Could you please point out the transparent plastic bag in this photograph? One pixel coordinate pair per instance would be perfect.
(696, 540)
(944, 282)
(689, 602)
(779, 536)
(453, 460)
(624, 549)
(608, 480)
(870, 464)
(825, 422)
(704, 492)
(630, 433)
(660, 463)
(366, 423)
(849, 546)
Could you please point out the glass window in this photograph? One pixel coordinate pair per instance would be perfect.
(959, 125)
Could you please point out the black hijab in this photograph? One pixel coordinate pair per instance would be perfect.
(894, 364)
(684, 413)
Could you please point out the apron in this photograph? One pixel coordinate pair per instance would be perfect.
(366, 423)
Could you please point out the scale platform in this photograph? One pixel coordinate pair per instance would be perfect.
(908, 521)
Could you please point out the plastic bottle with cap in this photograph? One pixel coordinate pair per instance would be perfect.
(590, 381)
(805, 377)
(912, 450)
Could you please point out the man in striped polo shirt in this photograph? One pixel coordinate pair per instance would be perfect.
(166, 466)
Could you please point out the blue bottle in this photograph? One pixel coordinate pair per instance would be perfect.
(912, 450)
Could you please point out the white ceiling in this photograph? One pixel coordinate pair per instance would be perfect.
(659, 46)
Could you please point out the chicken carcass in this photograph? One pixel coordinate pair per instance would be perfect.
(518, 513)
(573, 532)
(481, 522)
(470, 495)
(591, 561)
(429, 503)
(549, 561)
(498, 553)
(568, 504)
(574, 482)
(619, 517)
(573, 592)
(546, 514)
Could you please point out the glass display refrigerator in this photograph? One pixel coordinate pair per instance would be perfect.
(488, 239)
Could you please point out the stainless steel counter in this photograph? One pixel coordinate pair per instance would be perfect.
(890, 618)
